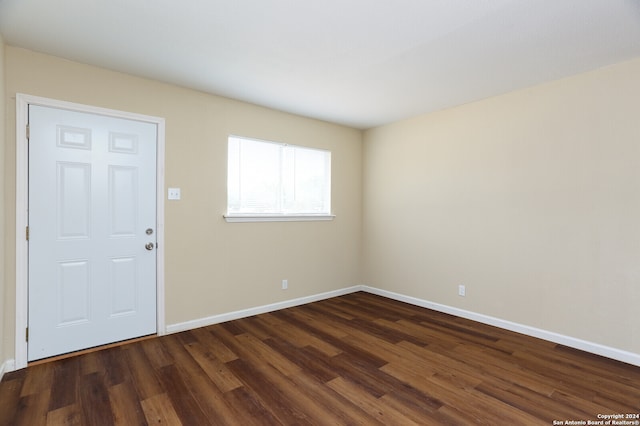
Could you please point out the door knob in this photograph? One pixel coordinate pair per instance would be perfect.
(149, 246)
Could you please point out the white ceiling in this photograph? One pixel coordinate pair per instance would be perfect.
(361, 63)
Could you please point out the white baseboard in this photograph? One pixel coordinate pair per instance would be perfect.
(595, 348)
(216, 319)
(572, 342)
(8, 365)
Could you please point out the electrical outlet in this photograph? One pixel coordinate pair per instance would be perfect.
(462, 291)
(173, 193)
(285, 284)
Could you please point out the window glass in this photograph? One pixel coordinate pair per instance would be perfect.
(277, 179)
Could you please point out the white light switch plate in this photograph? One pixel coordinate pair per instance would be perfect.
(173, 194)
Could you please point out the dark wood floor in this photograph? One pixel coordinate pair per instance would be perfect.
(355, 359)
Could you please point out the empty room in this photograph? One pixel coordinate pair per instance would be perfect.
(285, 212)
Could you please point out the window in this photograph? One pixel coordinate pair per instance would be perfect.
(275, 181)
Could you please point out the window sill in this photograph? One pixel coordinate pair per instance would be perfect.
(235, 218)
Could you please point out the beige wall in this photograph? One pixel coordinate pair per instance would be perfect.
(212, 267)
(3, 355)
(531, 200)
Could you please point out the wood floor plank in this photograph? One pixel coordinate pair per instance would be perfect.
(399, 310)
(378, 382)
(469, 401)
(308, 409)
(199, 387)
(357, 359)
(253, 326)
(304, 319)
(361, 373)
(143, 375)
(617, 388)
(214, 368)
(392, 352)
(515, 397)
(158, 410)
(125, 404)
(272, 373)
(90, 363)
(307, 358)
(69, 415)
(156, 353)
(417, 413)
(116, 369)
(287, 330)
(332, 331)
(270, 397)
(345, 411)
(420, 332)
(385, 414)
(40, 379)
(452, 358)
(64, 383)
(32, 409)
(250, 410)
(260, 351)
(178, 390)
(206, 394)
(335, 309)
(10, 396)
(95, 405)
(215, 346)
(460, 417)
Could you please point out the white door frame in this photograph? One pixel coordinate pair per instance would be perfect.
(22, 209)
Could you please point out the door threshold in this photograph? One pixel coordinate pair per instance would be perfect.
(90, 350)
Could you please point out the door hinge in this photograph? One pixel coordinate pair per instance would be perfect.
(27, 233)
(27, 334)
(28, 130)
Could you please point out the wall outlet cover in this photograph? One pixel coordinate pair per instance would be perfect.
(173, 193)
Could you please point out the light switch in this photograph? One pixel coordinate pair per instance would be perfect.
(173, 194)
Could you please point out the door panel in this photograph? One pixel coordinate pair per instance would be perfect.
(73, 204)
(92, 196)
(74, 281)
(125, 286)
(123, 198)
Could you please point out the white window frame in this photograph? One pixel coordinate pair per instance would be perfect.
(277, 216)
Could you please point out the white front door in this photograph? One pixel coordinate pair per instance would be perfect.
(92, 230)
